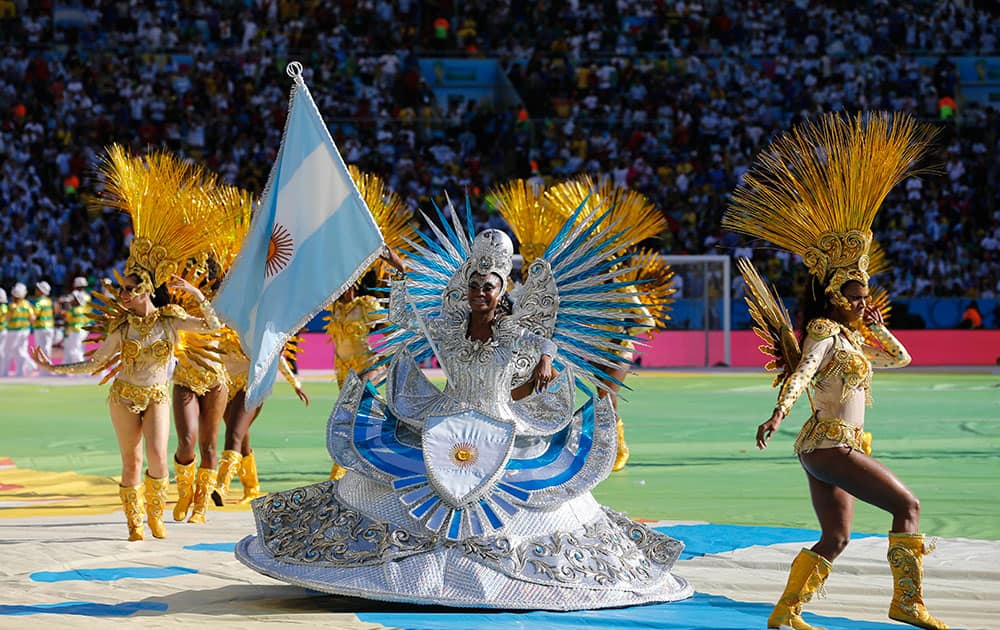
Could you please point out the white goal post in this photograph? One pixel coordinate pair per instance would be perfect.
(711, 271)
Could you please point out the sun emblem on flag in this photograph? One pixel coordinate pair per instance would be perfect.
(279, 249)
(464, 454)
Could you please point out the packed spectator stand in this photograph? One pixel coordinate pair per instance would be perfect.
(670, 98)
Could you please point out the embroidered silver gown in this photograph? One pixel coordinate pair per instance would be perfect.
(465, 497)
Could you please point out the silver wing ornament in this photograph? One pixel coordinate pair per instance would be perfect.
(580, 293)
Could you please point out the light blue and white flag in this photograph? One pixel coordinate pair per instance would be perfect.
(311, 238)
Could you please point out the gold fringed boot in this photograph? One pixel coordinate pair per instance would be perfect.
(229, 463)
(132, 505)
(623, 453)
(156, 501)
(248, 477)
(906, 559)
(184, 476)
(808, 573)
(204, 483)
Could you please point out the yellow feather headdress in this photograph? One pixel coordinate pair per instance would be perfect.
(815, 190)
(170, 206)
(391, 213)
(233, 209)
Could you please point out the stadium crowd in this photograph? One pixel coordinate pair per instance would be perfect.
(670, 98)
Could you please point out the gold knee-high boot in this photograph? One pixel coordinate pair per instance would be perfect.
(132, 504)
(337, 472)
(809, 571)
(156, 501)
(623, 452)
(229, 463)
(184, 476)
(906, 559)
(203, 485)
(248, 477)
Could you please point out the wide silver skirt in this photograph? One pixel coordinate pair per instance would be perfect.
(579, 555)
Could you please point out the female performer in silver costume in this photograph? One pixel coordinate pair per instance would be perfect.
(466, 497)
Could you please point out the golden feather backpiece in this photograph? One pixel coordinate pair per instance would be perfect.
(198, 350)
(815, 190)
(293, 348)
(653, 281)
(181, 216)
(106, 313)
(534, 223)
(632, 213)
(771, 323)
(878, 261)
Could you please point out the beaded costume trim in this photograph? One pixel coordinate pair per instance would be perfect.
(818, 430)
(237, 383)
(198, 380)
(137, 397)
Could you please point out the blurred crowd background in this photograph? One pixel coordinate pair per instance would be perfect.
(673, 99)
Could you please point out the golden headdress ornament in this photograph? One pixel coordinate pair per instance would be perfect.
(391, 213)
(815, 190)
(168, 201)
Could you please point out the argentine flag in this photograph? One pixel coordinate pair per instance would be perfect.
(310, 239)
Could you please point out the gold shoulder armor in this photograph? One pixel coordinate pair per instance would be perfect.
(114, 323)
(821, 328)
(174, 310)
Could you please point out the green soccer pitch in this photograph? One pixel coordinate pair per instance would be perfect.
(691, 437)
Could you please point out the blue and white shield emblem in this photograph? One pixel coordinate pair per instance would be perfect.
(465, 455)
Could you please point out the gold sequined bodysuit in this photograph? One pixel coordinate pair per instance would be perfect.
(144, 347)
(349, 325)
(837, 362)
(237, 364)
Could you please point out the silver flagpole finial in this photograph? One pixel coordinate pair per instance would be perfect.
(294, 70)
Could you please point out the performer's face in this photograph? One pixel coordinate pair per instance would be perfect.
(856, 295)
(484, 292)
(129, 293)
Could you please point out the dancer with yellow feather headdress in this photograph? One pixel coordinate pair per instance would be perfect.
(352, 316)
(536, 215)
(163, 196)
(200, 378)
(815, 192)
(238, 457)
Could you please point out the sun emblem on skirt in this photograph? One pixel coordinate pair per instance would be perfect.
(464, 454)
(279, 249)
